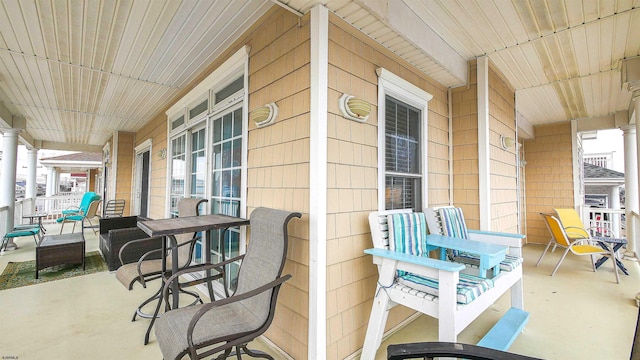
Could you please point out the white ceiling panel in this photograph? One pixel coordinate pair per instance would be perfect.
(96, 66)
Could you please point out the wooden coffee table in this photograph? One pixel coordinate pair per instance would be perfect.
(60, 249)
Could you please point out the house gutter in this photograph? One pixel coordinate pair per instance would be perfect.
(450, 98)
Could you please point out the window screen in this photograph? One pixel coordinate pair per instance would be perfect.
(403, 175)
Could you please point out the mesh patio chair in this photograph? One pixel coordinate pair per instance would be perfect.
(149, 266)
(560, 238)
(219, 326)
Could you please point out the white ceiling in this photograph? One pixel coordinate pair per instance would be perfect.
(77, 70)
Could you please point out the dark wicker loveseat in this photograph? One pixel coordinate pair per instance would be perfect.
(118, 231)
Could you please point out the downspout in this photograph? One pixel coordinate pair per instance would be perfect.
(318, 183)
(450, 99)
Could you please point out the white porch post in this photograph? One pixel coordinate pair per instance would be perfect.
(631, 188)
(32, 163)
(51, 181)
(318, 183)
(8, 178)
(614, 203)
(484, 163)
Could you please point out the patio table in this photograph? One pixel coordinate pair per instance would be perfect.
(617, 244)
(168, 228)
(39, 216)
(490, 254)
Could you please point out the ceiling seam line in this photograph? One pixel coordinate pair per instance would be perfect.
(60, 62)
(595, 21)
(569, 79)
(64, 110)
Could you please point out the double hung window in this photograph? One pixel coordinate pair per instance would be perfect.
(402, 143)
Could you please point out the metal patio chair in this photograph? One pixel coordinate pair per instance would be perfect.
(219, 326)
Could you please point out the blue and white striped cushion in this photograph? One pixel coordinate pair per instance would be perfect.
(468, 289)
(453, 223)
(509, 263)
(407, 233)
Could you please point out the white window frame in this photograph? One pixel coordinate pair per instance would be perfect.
(236, 66)
(392, 85)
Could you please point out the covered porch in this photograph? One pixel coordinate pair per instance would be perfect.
(89, 316)
(247, 104)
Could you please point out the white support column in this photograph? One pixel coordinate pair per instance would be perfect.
(32, 164)
(318, 183)
(631, 188)
(8, 179)
(614, 203)
(484, 164)
(51, 181)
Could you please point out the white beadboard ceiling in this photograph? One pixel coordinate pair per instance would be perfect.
(77, 70)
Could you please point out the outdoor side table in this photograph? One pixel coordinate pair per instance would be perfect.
(38, 216)
(60, 249)
(617, 244)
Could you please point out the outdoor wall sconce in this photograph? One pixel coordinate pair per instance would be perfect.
(162, 153)
(353, 108)
(507, 142)
(264, 115)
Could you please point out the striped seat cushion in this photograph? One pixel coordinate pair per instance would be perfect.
(469, 287)
(453, 225)
(509, 263)
(407, 234)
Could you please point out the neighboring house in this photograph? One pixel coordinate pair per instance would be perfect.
(602, 186)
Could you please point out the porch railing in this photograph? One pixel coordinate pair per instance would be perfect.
(52, 205)
(605, 222)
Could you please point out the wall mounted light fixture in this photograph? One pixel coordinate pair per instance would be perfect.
(264, 115)
(162, 154)
(507, 142)
(353, 108)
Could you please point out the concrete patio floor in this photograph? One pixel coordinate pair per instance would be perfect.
(577, 314)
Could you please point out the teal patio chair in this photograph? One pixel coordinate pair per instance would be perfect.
(90, 213)
(87, 198)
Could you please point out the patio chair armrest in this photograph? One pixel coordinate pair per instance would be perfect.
(419, 265)
(446, 349)
(235, 298)
(197, 268)
(568, 230)
(139, 244)
(515, 242)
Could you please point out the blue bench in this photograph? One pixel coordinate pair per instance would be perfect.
(506, 330)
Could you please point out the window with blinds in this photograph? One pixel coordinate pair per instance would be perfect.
(403, 173)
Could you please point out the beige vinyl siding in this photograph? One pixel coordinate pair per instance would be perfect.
(549, 182)
(465, 148)
(503, 165)
(278, 159)
(157, 131)
(124, 174)
(352, 180)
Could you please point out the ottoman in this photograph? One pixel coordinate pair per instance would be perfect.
(60, 249)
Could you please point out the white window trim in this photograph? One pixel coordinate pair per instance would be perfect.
(396, 87)
(237, 65)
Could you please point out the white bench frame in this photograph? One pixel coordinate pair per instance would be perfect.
(452, 317)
